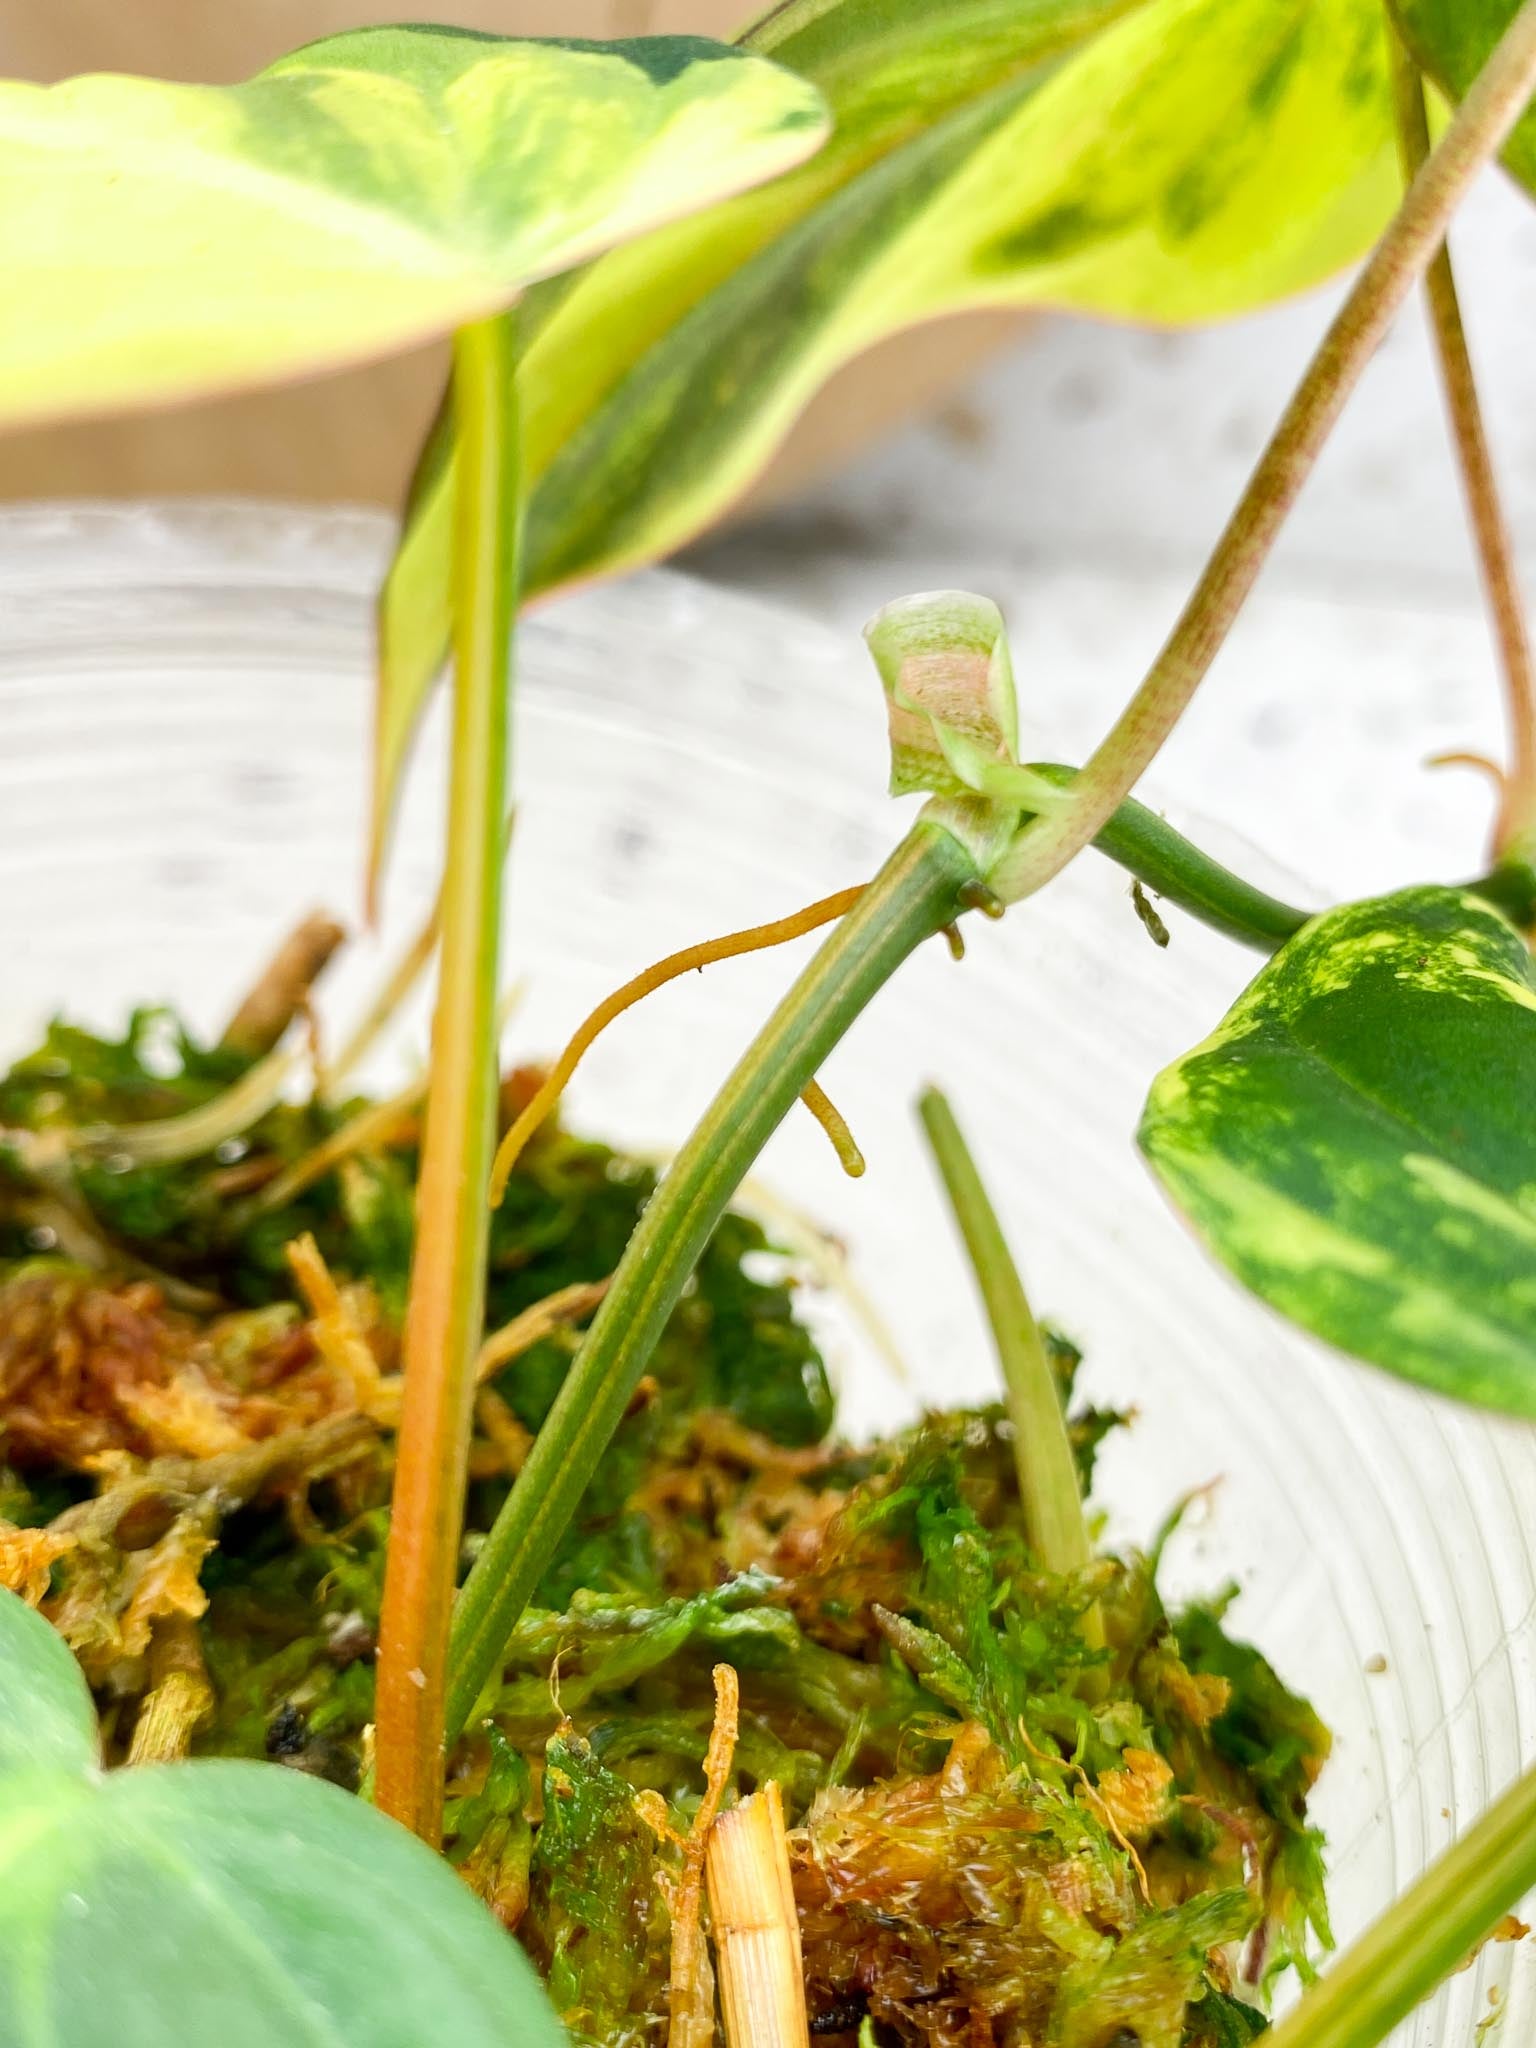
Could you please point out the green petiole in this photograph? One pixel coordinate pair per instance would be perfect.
(1042, 1449)
(915, 895)
(1170, 865)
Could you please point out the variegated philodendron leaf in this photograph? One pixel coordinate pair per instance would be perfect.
(222, 1901)
(1452, 40)
(1174, 160)
(1357, 1142)
(159, 241)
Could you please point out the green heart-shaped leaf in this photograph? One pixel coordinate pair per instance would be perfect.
(158, 241)
(1451, 41)
(1356, 1141)
(1180, 160)
(225, 1902)
(46, 1716)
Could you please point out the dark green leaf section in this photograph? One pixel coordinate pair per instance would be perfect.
(1452, 40)
(1355, 1141)
(242, 1904)
(46, 1716)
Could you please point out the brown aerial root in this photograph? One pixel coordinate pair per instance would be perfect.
(1463, 757)
(282, 990)
(756, 1927)
(691, 1992)
(1491, 535)
(755, 939)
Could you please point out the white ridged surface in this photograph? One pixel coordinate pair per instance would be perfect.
(183, 717)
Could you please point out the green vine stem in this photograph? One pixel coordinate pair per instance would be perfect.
(918, 892)
(1042, 1449)
(1490, 532)
(1170, 865)
(1477, 131)
(1424, 1935)
(445, 1311)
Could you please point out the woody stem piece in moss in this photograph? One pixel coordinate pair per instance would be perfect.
(444, 1317)
(756, 1927)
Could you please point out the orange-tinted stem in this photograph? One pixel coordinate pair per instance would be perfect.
(444, 1317)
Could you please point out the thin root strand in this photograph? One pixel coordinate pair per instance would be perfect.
(752, 940)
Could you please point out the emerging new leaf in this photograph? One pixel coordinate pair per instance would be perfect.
(953, 718)
(1355, 1141)
(159, 241)
(949, 696)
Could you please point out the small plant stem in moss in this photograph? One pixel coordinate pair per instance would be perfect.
(446, 1308)
(1477, 131)
(1490, 530)
(1042, 1449)
(386, 1002)
(372, 1129)
(915, 895)
(1423, 1936)
(691, 1986)
(181, 1697)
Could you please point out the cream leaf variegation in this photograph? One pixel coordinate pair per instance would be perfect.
(1355, 1141)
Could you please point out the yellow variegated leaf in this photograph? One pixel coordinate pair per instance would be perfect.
(159, 241)
(1177, 160)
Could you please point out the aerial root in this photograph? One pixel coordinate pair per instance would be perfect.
(755, 939)
(832, 1121)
